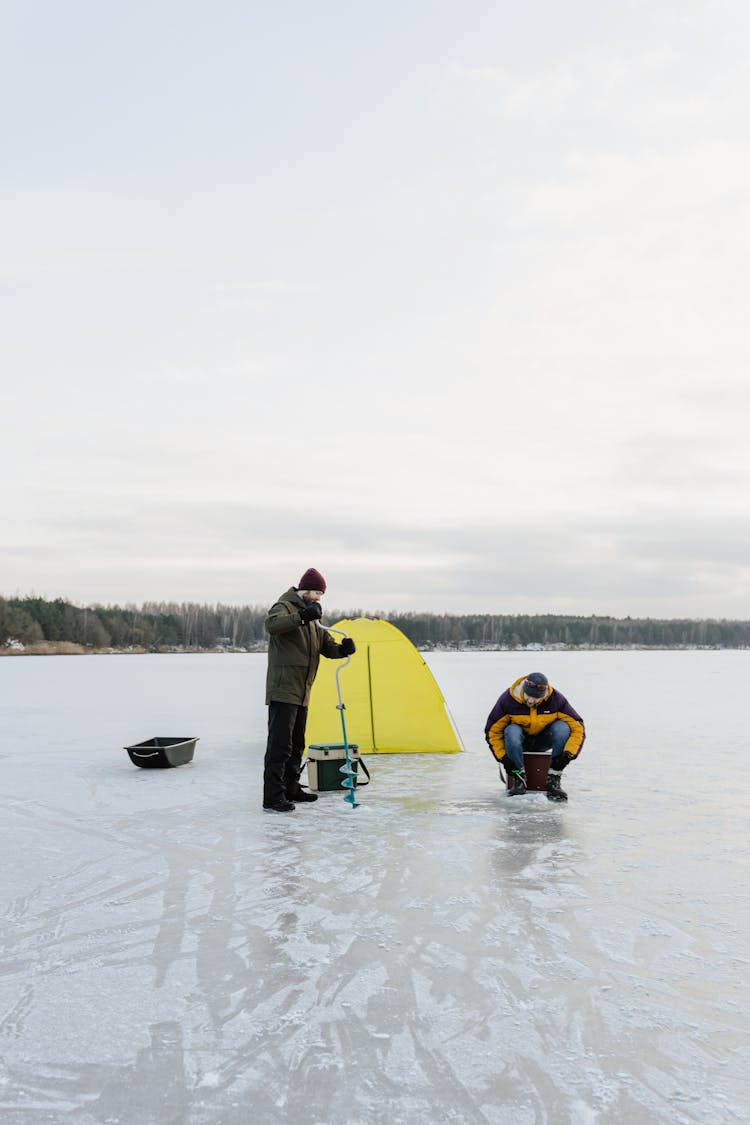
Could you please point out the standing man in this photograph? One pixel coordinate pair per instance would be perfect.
(532, 715)
(294, 650)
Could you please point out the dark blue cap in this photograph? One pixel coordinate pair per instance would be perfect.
(535, 684)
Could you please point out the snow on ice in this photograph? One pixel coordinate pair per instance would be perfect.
(443, 953)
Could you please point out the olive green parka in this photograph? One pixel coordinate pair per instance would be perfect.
(294, 651)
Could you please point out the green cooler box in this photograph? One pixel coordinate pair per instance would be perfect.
(324, 762)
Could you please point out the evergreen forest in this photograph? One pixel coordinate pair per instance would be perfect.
(32, 624)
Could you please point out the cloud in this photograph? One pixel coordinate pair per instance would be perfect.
(661, 564)
(630, 89)
(489, 349)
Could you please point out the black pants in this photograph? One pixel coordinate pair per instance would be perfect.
(284, 750)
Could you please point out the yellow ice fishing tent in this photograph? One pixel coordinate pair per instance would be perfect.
(392, 702)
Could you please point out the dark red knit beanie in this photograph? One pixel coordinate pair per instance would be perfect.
(312, 579)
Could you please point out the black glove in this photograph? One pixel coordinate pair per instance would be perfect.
(348, 647)
(560, 761)
(311, 612)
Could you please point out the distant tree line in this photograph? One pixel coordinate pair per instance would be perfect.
(157, 626)
(153, 626)
(547, 629)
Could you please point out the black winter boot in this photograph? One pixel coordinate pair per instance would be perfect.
(301, 795)
(555, 791)
(282, 805)
(517, 781)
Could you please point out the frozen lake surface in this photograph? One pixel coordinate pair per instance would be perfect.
(171, 954)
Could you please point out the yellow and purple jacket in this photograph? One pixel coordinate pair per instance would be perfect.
(510, 708)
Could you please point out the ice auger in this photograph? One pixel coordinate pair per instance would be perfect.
(347, 769)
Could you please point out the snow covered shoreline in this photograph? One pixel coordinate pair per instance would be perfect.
(67, 648)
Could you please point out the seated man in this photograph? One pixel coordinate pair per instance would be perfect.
(532, 715)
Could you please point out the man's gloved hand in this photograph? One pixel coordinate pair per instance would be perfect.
(348, 647)
(311, 612)
(560, 761)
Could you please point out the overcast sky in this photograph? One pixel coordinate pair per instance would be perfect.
(447, 300)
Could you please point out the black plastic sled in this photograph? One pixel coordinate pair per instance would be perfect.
(162, 753)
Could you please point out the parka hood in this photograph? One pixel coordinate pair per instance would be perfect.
(292, 595)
